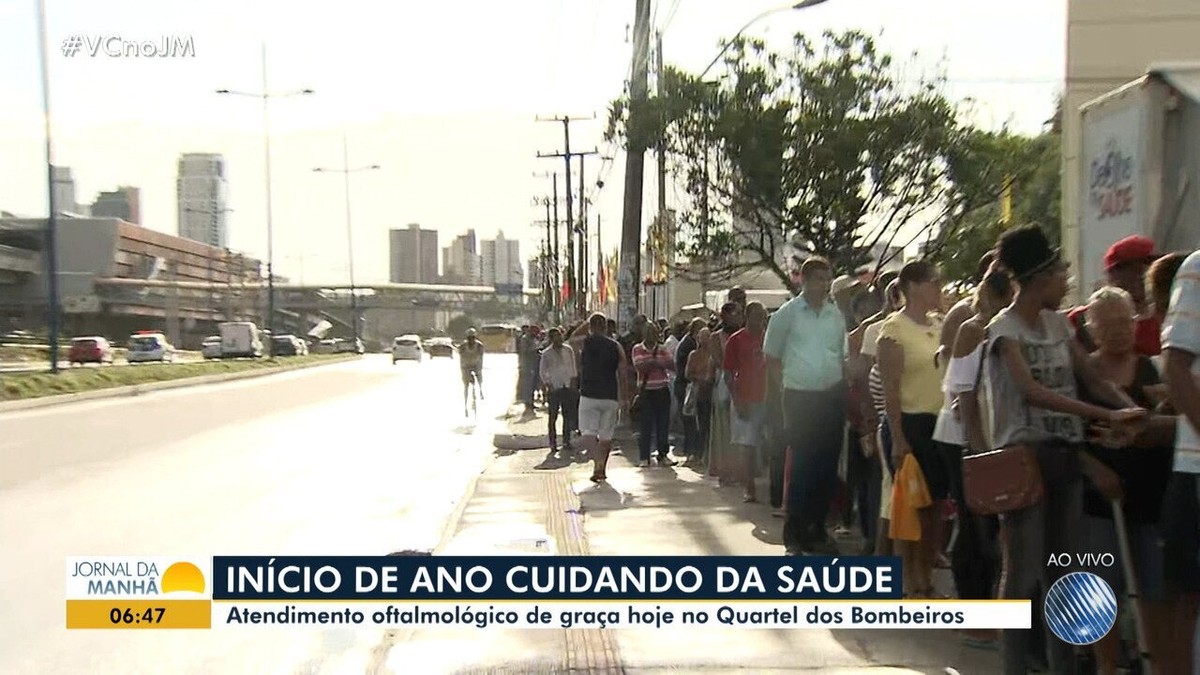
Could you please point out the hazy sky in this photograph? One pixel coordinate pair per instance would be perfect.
(443, 95)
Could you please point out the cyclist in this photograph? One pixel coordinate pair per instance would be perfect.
(470, 361)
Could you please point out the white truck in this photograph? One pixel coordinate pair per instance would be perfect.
(1139, 164)
(240, 339)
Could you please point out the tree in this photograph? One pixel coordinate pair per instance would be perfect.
(1030, 165)
(810, 152)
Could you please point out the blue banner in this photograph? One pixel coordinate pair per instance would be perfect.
(494, 578)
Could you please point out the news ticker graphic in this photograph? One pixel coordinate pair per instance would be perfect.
(510, 592)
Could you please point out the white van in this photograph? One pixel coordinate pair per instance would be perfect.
(241, 339)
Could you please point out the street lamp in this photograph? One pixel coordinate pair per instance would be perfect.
(266, 95)
(51, 239)
(346, 170)
(799, 5)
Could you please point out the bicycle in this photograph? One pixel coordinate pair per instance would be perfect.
(470, 395)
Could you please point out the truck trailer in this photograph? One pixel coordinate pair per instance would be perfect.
(1140, 163)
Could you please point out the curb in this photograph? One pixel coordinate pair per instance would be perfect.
(149, 387)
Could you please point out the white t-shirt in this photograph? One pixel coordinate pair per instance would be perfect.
(870, 345)
(671, 345)
(1181, 330)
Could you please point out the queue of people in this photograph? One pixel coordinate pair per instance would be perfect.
(844, 407)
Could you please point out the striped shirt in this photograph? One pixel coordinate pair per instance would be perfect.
(875, 383)
(654, 367)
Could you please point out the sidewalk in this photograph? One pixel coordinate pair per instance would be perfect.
(656, 511)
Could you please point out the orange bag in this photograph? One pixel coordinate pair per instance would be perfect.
(909, 495)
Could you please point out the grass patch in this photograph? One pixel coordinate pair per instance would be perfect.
(25, 353)
(20, 386)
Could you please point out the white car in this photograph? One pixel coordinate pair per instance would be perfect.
(407, 348)
(148, 347)
(211, 347)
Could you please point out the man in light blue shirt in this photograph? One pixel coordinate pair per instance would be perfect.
(805, 346)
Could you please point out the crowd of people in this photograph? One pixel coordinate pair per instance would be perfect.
(880, 405)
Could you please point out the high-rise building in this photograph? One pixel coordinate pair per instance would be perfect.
(201, 193)
(534, 267)
(502, 262)
(64, 190)
(413, 255)
(123, 203)
(461, 263)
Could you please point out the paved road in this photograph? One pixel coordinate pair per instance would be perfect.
(358, 458)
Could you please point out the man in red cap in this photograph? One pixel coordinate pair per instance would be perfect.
(1125, 265)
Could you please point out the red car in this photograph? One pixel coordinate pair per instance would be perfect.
(90, 350)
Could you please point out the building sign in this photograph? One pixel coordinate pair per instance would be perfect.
(1110, 184)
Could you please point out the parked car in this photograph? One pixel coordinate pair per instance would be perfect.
(327, 346)
(440, 346)
(211, 347)
(407, 348)
(149, 347)
(90, 350)
(287, 345)
(351, 347)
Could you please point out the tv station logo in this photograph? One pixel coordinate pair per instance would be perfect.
(123, 592)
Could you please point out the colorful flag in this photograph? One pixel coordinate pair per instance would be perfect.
(603, 281)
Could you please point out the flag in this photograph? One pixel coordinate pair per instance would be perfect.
(603, 281)
(613, 264)
(1006, 201)
(565, 293)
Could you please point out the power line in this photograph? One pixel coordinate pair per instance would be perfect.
(670, 16)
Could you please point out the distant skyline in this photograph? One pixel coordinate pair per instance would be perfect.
(443, 96)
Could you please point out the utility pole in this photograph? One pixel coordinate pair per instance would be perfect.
(546, 262)
(662, 142)
(663, 224)
(581, 301)
(635, 166)
(346, 170)
(54, 315)
(566, 155)
(600, 259)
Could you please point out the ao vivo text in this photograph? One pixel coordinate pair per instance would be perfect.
(1081, 560)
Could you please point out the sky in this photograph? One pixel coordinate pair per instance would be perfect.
(445, 96)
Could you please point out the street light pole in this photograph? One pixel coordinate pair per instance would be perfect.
(266, 95)
(52, 290)
(346, 171)
(799, 5)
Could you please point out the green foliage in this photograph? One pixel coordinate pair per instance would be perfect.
(1033, 165)
(820, 150)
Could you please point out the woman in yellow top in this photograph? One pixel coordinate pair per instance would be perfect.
(912, 382)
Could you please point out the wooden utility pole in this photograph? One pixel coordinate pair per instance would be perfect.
(635, 166)
(566, 155)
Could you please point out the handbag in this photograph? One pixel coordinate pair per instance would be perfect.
(638, 402)
(690, 396)
(1001, 480)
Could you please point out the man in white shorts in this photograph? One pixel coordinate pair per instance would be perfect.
(601, 368)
